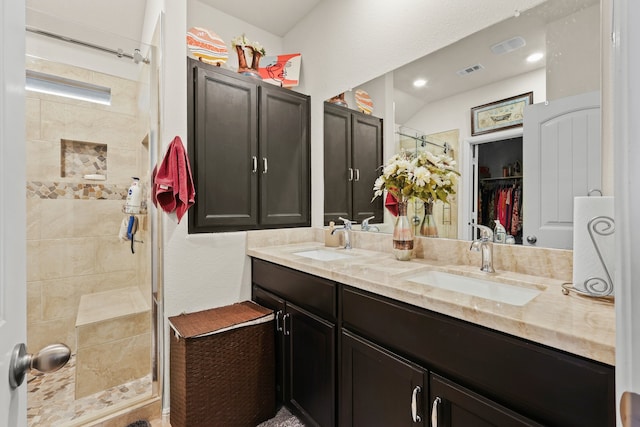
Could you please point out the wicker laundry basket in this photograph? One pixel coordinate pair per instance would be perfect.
(222, 365)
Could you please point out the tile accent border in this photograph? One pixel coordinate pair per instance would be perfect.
(73, 190)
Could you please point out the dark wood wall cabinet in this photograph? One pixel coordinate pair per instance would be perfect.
(249, 147)
(352, 160)
(401, 365)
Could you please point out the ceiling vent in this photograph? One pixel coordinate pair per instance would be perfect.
(470, 69)
(508, 45)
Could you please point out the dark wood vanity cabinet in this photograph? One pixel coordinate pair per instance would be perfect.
(352, 160)
(306, 338)
(404, 365)
(249, 148)
(484, 374)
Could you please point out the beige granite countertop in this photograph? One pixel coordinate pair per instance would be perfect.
(573, 323)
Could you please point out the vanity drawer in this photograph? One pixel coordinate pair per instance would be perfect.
(310, 292)
(544, 384)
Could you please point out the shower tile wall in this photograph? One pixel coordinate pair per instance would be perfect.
(72, 224)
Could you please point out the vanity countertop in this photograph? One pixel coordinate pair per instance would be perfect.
(573, 323)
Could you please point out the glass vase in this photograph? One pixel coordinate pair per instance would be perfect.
(428, 227)
(402, 234)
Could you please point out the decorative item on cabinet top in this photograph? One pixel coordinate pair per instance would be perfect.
(338, 100)
(241, 44)
(281, 70)
(364, 102)
(207, 46)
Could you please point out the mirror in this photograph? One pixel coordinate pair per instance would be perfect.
(484, 68)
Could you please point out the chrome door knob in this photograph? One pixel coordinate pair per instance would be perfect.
(532, 240)
(49, 359)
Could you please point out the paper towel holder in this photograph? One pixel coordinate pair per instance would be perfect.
(603, 226)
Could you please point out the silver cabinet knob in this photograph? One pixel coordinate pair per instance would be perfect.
(49, 359)
(532, 240)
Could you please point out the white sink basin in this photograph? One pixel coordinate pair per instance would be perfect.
(508, 294)
(323, 254)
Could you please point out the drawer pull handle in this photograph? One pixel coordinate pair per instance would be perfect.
(357, 174)
(284, 322)
(414, 405)
(350, 174)
(434, 412)
(255, 164)
(278, 324)
(265, 166)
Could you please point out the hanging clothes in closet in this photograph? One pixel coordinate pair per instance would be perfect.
(501, 200)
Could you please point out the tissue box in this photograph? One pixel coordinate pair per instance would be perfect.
(222, 366)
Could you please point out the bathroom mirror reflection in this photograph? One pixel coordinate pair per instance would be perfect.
(492, 65)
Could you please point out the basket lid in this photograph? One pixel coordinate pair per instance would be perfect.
(216, 320)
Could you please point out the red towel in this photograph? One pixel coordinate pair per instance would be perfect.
(173, 186)
(391, 203)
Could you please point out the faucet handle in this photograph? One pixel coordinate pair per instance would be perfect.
(347, 223)
(365, 222)
(485, 232)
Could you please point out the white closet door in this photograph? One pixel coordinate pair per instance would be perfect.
(561, 160)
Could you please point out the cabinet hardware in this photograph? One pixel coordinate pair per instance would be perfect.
(255, 164)
(357, 174)
(434, 411)
(350, 174)
(265, 167)
(414, 404)
(278, 324)
(286, 330)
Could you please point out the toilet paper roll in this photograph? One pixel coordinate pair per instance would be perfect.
(593, 245)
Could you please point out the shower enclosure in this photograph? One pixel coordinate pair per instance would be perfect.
(90, 126)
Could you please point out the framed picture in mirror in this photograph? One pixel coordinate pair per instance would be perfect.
(499, 115)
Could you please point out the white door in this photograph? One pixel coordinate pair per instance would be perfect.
(561, 160)
(13, 327)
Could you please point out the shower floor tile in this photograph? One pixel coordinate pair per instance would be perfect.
(51, 397)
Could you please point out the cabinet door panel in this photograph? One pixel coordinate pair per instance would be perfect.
(337, 161)
(459, 407)
(312, 365)
(284, 158)
(367, 158)
(377, 387)
(267, 299)
(226, 140)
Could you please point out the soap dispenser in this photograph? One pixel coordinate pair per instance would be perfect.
(331, 240)
(499, 233)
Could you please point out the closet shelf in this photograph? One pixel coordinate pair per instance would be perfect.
(501, 178)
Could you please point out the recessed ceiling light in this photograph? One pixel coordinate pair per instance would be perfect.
(419, 82)
(535, 57)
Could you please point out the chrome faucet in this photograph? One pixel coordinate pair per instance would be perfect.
(485, 245)
(346, 229)
(366, 227)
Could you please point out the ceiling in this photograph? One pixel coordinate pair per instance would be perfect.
(278, 17)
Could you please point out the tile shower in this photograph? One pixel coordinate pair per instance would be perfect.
(85, 287)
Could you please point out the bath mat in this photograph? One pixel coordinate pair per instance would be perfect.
(139, 423)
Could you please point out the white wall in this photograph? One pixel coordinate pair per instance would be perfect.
(572, 66)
